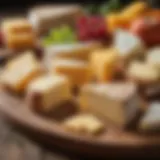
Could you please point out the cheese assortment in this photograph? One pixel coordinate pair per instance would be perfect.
(18, 34)
(88, 52)
(108, 102)
(78, 72)
(47, 92)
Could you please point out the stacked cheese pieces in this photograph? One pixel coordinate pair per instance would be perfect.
(18, 34)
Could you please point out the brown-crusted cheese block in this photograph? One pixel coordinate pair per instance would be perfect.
(19, 71)
(84, 124)
(80, 51)
(103, 64)
(117, 102)
(143, 73)
(46, 17)
(48, 91)
(18, 34)
(78, 72)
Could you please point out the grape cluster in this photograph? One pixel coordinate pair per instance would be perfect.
(61, 35)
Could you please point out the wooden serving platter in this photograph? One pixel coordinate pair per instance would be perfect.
(113, 141)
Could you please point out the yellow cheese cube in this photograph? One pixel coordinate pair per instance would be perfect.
(103, 64)
(20, 41)
(77, 71)
(20, 71)
(16, 25)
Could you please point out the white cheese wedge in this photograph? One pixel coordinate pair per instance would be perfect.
(128, 44)
(78, 72)
(84, 123)
(143, 72)
(80, 51)
(153, 57)
(51, 90)
(117, 102)
(19, 71)
(45, 17)
(151, 120)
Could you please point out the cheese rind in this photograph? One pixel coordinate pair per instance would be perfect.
(78, 72)
(51, 90)
(103, 64)
(110, 102)
(85, 123)
(16, 75)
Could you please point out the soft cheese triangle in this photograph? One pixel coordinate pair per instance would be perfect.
(47, 92)
(117, 102)
(128, 45)
(19, 71)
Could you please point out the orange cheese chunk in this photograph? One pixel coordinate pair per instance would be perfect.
(103, 64)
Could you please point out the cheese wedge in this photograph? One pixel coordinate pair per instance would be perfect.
(151, 120)
(116, 102)
(103, 63)
(80, 51)
(78, 72)
(46, 17)
(84, 123)
(128, 45)
(47, 92)
(143, 73)
(20, 71)
(153, 57)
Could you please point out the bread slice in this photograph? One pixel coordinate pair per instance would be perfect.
(19, 71)
(48, 91)
(78, 72)
(45, 17)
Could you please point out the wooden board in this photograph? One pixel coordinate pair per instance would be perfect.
(111, 142)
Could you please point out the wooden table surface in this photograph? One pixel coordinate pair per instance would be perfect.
(15, 145)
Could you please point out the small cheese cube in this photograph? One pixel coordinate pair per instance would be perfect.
(47, 92)
(16, 26)
(151, 119)
(20, 71)
(20, 41)
(77, 71)
(153, 57)
(80, 51)
(128, 45)
(103, 63)
(117, 102)
(85, 123)
(143, 73)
